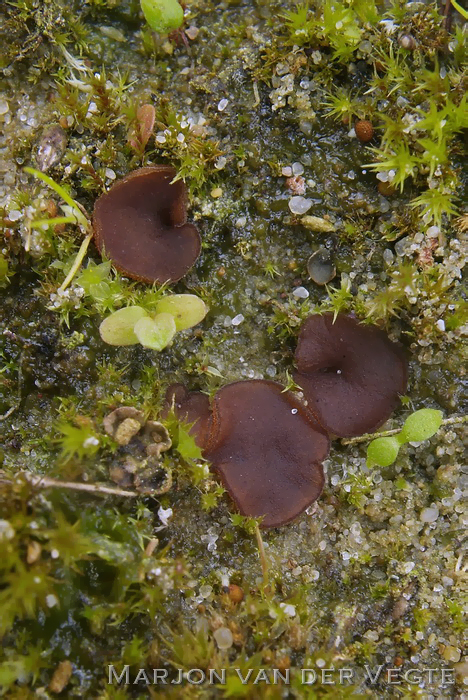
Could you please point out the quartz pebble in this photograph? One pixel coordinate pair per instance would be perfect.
(237, 320)
(300, 293)
(223, 638)
(297, 168)
(429, 515)
(299, 205)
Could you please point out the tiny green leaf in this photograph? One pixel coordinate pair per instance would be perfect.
(93, 274)
(421, 425)
(163, 16)
(382, 451)
(155, 333)
(186, 445)
(187, 309)
(117, 329)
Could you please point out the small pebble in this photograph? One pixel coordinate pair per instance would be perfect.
(316, 223)
(300, 293)
(206, 591)
(289, 610)
(192, 32)
(220, 162)
(299, 205)
(388, 256)
(451, 654)
(62, 675)
(407, 41)
(297, 168)
(320, 267)
(237, 320)
(222, 104)
(223, 638)
(429, 515)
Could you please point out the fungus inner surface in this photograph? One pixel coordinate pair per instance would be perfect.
(351, 375)
(267, 449)
(140, 224)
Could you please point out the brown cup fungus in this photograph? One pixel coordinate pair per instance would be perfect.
(140, 225)
(267, 449)
(351, 375)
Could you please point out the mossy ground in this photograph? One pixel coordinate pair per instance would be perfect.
(261, 87)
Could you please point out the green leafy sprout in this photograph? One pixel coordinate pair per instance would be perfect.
(419, 426)
(134, 324)
(163, 16)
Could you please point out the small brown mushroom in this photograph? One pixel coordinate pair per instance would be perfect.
(140, 224)
(267, 449)
(351, 375)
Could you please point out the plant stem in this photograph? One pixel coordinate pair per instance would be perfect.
(261, 551)
(77, 262)
(47, 482)
(17, 402)
(55, 220)
(455, 420)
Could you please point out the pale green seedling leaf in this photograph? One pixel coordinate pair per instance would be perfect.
(155, 333)
(117, 329)
(163, 16)
(421, 425)
(187, 309)
(382, 451)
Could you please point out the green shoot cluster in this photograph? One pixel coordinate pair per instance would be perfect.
(419, 426)
(133, 324)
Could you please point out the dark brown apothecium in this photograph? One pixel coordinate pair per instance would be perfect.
(264, 444)
(352, 375)
(267, 449)
(140, 225)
